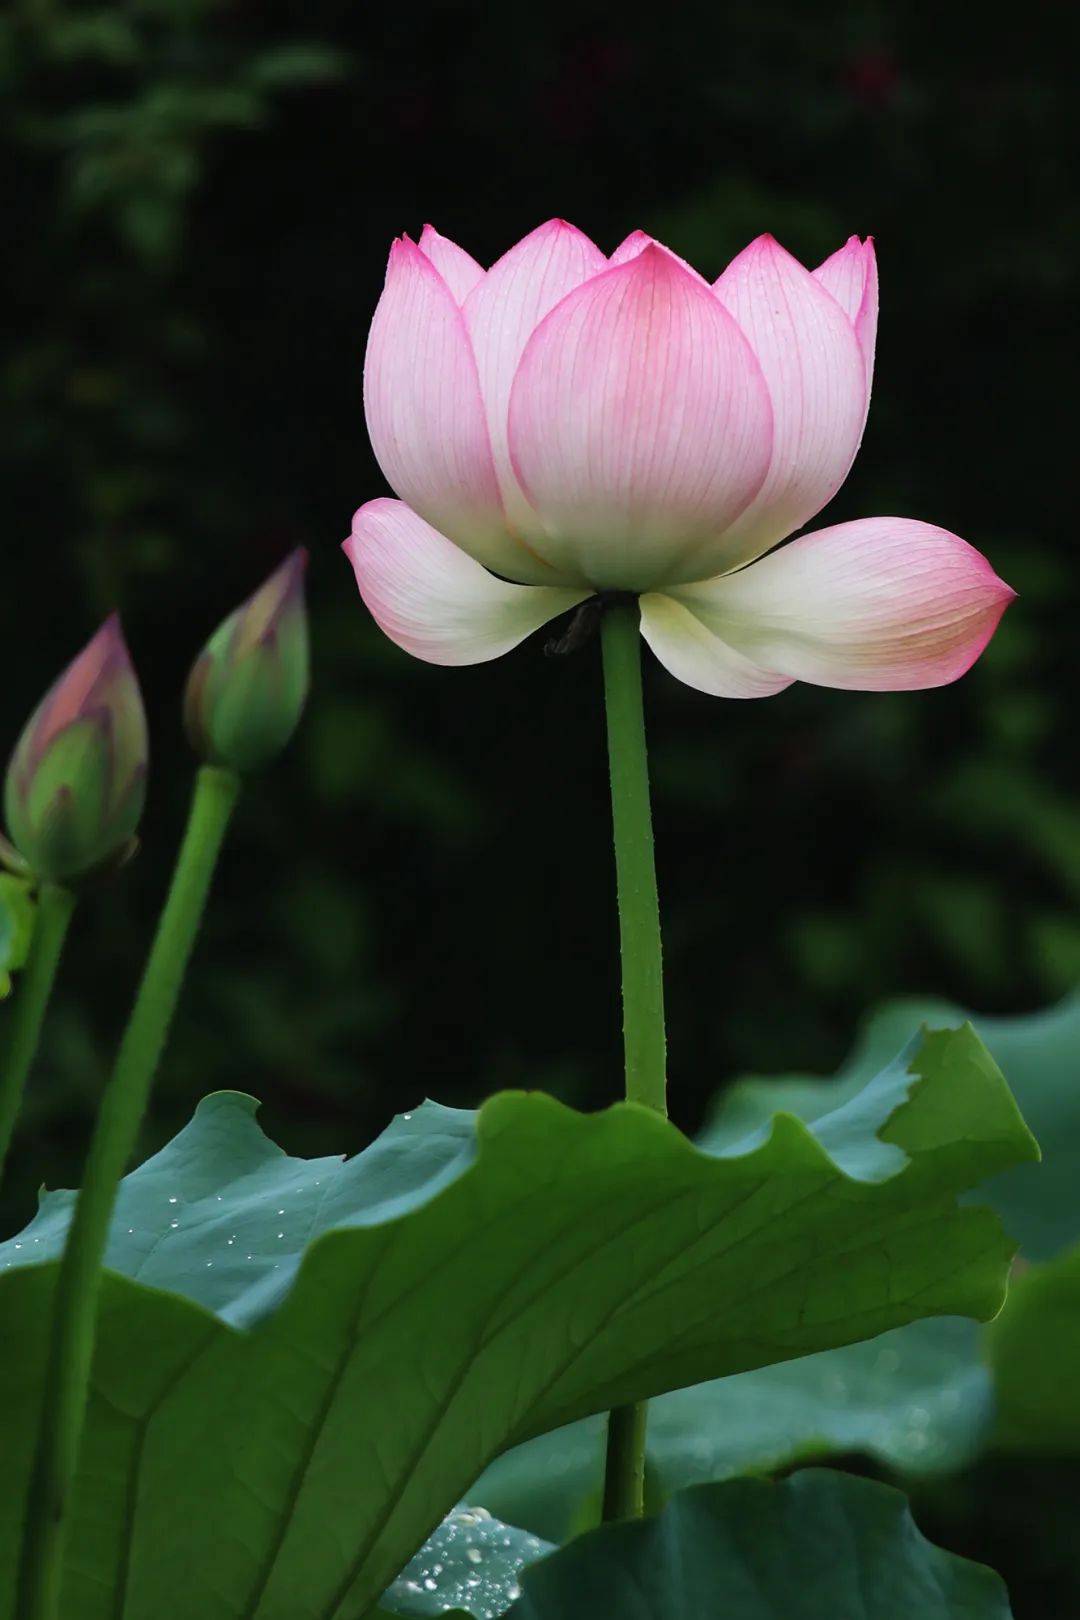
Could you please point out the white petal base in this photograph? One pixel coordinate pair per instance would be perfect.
(879, 605)
(432, 599)
(695, 655)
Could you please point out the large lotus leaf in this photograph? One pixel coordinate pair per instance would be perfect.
(1039, 1055)
(920, 1400)
(476, 1282)
(472, 1560)
(1035, 1354)
(820, 1544)
(223, 1216)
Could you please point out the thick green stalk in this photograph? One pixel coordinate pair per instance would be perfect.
(635, 867)
(644, 1039)
(27, 1013)
(115, 1134)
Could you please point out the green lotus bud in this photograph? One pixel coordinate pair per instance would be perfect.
(247, 689)
(77, 779)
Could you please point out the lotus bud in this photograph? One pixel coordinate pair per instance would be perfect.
(248, 686)
(77, 779)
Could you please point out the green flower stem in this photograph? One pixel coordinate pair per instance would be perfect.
(27, 1013)
(115, 1134)
(639, 909)
(644, 1039)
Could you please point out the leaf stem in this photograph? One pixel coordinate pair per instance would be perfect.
(624, 1463)
(644, 1040)
(27, 1013)
(115, 1135)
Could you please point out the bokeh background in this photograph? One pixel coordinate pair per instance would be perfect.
(198, 200)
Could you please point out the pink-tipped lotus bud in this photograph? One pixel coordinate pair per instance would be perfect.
(77, 779)
(247, 689)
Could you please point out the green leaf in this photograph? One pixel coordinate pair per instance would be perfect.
(1034, 1351)
(1037, 1053)
(391, 1614)
(472, 1559)
(818, 1544)
(920, 1400)
(16, 927)
(474, 1281)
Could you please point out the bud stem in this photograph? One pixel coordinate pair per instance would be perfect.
(115, 1135)
(644, 1039)
(27, 1013)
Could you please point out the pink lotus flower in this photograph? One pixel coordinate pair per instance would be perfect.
(564, 424)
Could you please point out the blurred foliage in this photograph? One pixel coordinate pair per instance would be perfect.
(199, 197)
(129, 98)
(1034, 1349)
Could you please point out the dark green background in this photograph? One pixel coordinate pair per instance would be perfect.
(199, 198)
